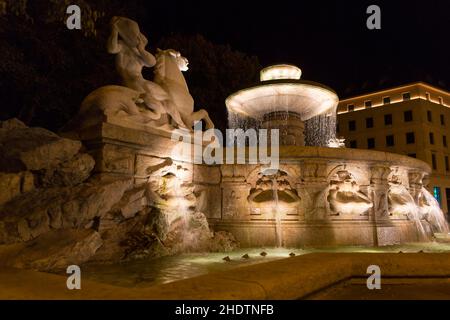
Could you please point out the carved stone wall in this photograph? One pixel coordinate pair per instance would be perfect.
(320, 196)
(343, 197)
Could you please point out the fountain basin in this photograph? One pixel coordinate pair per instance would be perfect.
(345, 197)
(284, 102)
(310, 183)
(305, 98)
(442, 237)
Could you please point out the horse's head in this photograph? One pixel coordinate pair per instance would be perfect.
(179, 60)
(169, 75)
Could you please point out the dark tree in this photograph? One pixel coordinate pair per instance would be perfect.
(215, 71)
(47, 70)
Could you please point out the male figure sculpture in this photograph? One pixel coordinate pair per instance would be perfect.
(128, 43)
(164, 103)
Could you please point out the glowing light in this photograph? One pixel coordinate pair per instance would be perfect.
(437, 194)
(397, 91)
(304, 99)
(280, 71)
(336, 143)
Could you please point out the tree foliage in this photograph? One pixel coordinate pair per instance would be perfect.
(47, 70)
(215, 71)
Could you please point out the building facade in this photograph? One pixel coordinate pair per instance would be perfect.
(412, 120)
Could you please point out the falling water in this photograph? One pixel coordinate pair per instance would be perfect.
(320, 129)
(182, 208)
(238, 121)
(412, 211)
(415, 216)
(276, 212)
(435, 214)
(423, 236)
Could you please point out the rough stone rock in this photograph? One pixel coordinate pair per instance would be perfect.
(113, 249)
(13, 123)
(31, 215)
(132, 202)
(55, 250)
(24, 149)
(144, 246)
(130, 238)
(68, 173)
(223, 241)
(14, 184)
(196, 236)
(158, 224)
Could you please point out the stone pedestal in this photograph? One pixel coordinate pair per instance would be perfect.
(305, 173)
(139, 154)
(379, 190)
(290, 125)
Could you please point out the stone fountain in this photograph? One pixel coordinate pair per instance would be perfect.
(113, 188)
(289, 104)
(319, 196)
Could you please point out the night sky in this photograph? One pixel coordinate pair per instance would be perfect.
(328, 40)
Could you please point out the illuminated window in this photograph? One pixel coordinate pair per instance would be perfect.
(368, 104)
(386, 100)
(406, 96)
(437, 194)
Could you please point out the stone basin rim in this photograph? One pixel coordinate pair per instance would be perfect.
(327, 93)
(323, 153)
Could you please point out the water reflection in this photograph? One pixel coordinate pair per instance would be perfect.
(145, 273)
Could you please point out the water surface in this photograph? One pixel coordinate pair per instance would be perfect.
(145, 273)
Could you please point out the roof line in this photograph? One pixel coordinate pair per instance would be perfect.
(423, 83)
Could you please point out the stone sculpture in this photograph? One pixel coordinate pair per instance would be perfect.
(345, 197)
(267, 185)
(163, 103)
(430, 211)
(401, 203)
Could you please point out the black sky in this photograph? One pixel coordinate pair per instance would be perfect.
(329, 40)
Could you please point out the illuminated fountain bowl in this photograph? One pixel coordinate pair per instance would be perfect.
(282, 90)
(285, 102)
(320, 195)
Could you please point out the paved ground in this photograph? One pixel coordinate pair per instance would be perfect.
(291, 278)
(391, 289)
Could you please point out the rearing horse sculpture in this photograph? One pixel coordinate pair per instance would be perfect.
(164, 103)
(168, 74)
